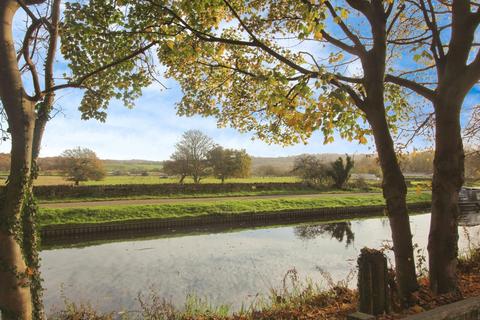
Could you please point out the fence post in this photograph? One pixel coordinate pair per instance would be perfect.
(373, 282)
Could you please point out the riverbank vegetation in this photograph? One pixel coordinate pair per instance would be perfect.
(199, 209)
(294, 300)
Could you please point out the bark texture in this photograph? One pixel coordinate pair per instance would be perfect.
(448, 177)
(393, 184)
(15, 296)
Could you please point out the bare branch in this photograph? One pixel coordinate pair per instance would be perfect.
(412, 85)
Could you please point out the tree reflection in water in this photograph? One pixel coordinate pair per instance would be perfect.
(339, 231)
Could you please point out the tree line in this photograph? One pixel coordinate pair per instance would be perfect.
(196, 155)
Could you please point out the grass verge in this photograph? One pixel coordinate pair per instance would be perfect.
(210, 195)
(220, 208)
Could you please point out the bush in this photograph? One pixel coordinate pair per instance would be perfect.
(360, 184)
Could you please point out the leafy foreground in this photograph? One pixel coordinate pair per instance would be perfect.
(293, 301)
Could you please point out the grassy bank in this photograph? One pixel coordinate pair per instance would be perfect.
(219, 208)
(278, 192)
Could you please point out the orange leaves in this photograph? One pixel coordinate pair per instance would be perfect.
(29, 272)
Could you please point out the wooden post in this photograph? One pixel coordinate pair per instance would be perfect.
(373, 282)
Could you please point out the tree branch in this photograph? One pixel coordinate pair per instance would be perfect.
(26, 55)
(82, 79)
(412, 85)
(266, 48)
(358, 44)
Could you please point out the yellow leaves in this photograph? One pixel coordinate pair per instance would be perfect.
(343, 15)
(334, 58)
(170, 44)
(318, 35)
(328, 139)
(362, 140)
(220, 49)
(417, 309)
(418, 190)
(29, 272)
(294, 120)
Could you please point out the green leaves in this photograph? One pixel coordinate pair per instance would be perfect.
(96, 41)
(238, 72)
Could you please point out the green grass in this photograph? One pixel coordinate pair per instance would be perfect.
(217, 208)
(279, 192)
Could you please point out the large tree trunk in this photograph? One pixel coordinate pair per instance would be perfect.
(448, 177)
(15, 297)
(393, 184)
(394, 192)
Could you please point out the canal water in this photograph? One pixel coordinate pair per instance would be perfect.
(223, 266)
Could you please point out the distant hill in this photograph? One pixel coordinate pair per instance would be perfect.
(133, 166)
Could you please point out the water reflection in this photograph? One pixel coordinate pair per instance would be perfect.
(227, 267)
(338, 231)
(469, 219)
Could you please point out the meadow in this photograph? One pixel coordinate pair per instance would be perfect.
(151, 179)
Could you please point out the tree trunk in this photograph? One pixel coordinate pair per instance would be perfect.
(448, 177)
(182, 177)
(15, 297)
(394, 192)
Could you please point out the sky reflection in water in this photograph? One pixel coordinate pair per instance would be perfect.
(227, 268)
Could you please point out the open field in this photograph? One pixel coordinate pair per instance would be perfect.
(49, 216)
(115, 180)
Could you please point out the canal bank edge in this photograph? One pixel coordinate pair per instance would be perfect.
(298, 215)
(468, 309)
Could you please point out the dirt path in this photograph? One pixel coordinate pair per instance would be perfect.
(133, 202)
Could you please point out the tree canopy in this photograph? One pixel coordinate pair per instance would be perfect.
(340, 172)
(251, 80)
(81, 164)
(229, 163)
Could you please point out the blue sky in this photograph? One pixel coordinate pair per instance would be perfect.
(151, 129)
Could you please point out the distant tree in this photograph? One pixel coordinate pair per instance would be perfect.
(193, 149)
(269, 170)
(4, 162)
(339, 231)
(176, 167)
(340, 172)
(472, 164)
(310, 169)
(368, 164)
(82, 164)
(229, 163)
(418, 161)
